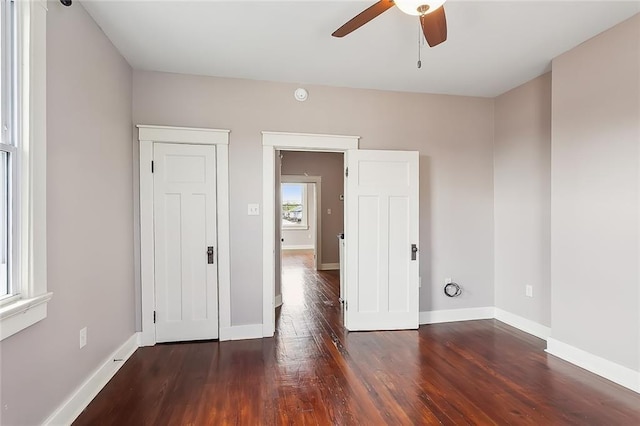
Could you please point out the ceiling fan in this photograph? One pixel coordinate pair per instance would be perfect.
(431, 13)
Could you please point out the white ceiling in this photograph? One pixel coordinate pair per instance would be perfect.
(492, 46)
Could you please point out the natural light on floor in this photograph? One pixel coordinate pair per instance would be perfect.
(293, 286)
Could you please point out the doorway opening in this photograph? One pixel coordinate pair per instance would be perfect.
(381, 230)
(310, 204)
(272, 143)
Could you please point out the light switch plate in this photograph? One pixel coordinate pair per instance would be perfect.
(83, 337)
(254, 210)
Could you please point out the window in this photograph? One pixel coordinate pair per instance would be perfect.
(294, 205)
(23, 273)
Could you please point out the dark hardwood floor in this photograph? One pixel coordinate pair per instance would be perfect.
(313, 372)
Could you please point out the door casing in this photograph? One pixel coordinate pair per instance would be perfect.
(147, 136)
(271, 142)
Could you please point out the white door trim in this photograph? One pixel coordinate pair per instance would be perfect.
(272, 141)
(317, 180)
(147, 136)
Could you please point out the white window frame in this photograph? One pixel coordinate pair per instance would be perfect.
(8, 147)
(304, 223)
(316, 181)
(29, 303)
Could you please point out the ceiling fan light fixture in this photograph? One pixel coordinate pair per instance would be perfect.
(418, 7)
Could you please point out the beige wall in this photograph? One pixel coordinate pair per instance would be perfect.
(522, 203)
(329, 166)
(453, 134)
(89, 222)
(595, 195)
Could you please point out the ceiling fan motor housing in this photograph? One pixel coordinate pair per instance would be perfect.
(431, 12)
(418, 7)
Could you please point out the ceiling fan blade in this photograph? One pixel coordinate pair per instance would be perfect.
(434, 26)
(363, 17)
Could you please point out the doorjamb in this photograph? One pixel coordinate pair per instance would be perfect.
(272, 141)
(317, 180)
(147, 136)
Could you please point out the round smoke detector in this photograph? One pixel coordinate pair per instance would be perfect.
(301, 94)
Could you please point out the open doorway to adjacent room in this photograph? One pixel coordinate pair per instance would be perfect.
(380, 222)
(310, 203)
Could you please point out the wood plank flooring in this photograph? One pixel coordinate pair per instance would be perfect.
(313, 372)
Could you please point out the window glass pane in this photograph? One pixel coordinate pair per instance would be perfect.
(7, 73)
(293, 208)
(4, 224)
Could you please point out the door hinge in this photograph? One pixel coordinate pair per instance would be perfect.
(346, 172)
(154, 317)
(151, 166)
(346, 305)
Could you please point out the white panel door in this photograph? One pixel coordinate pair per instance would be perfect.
(381, 227)
(186, 287)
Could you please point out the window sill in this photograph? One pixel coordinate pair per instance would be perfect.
(295, 227)
(23, 313)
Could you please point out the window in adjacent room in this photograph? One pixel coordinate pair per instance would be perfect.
(294, 205)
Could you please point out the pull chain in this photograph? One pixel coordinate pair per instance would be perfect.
(419, 40)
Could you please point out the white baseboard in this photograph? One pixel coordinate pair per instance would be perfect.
(602, 367)
(299, 247)
(452, 315)
(278, 301)
(523, 324)
(329, 267)
(147, 339)
(71, 408)
(241, 332)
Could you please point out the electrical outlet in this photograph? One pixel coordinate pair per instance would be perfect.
(528, 290)
(83, 337)
(328, 211)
